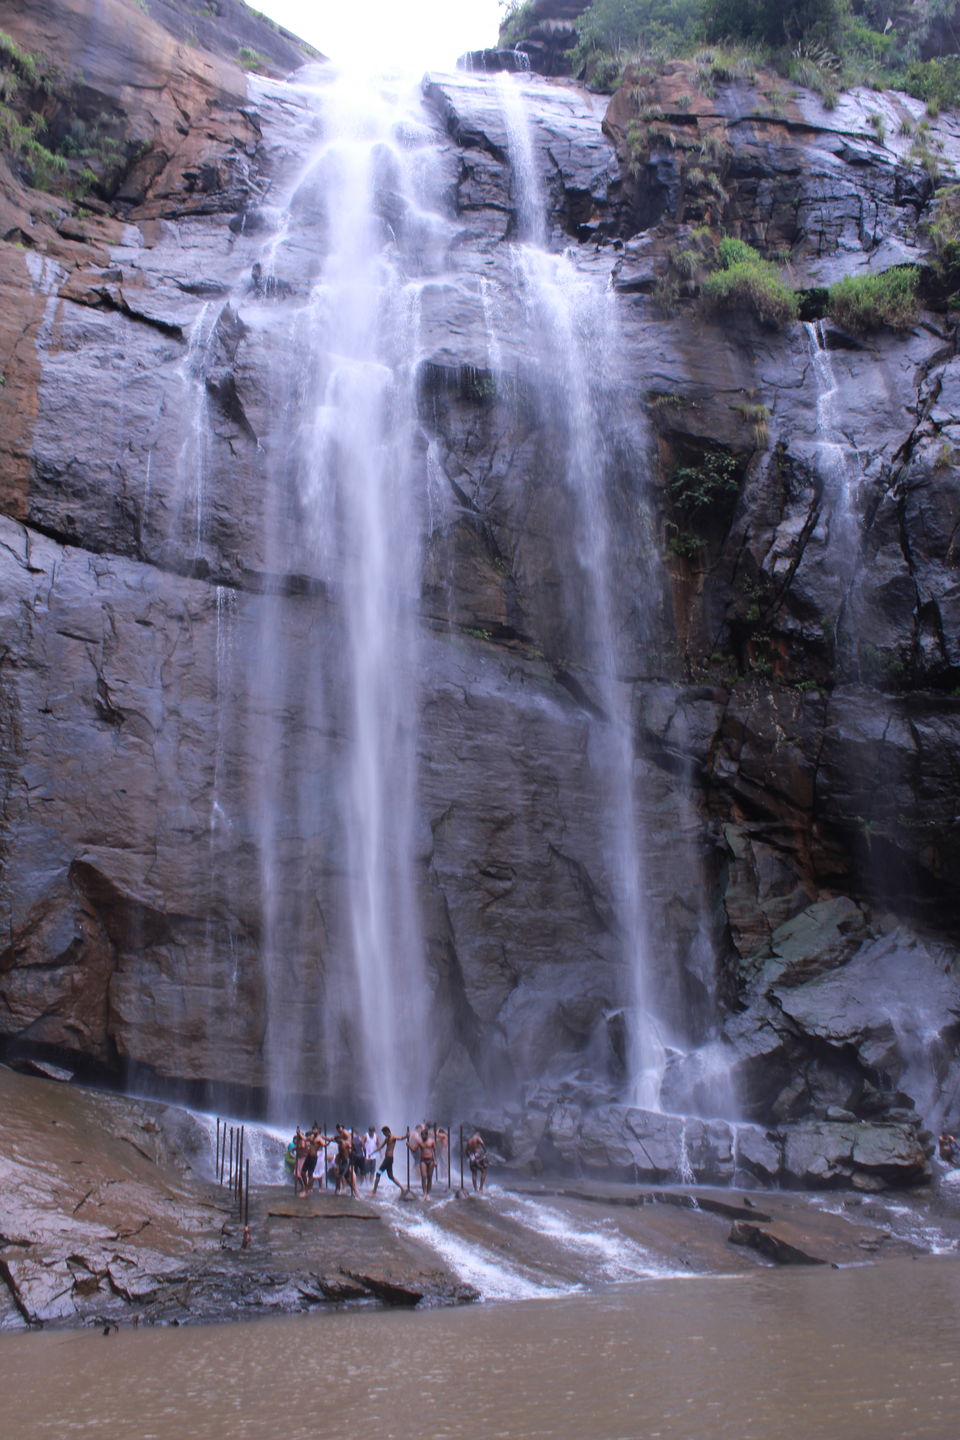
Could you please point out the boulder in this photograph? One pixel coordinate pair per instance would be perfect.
(756, 1152)
(824, 1155)
(896, 1003)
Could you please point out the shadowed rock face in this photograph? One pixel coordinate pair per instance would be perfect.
(792, 678)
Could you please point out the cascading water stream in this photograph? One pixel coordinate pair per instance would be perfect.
(838, 465)
(570, 329)
(192, 488)
(336, 292)
(352, 443)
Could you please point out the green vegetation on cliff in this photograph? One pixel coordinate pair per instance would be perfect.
(48, 140)
(746, 283)
(730, 277)
(865, 302)
(23, 84)
(823, 44)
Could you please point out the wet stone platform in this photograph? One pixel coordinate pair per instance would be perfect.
(103, 1220)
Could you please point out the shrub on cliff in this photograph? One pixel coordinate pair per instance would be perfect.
(865, 302)
(746, 283)
(943, 232)
(703, 494)
(610, 32)
(774, 22)
(21, 126)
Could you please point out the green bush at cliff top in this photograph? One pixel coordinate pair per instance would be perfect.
(824, 44)
(865, 302)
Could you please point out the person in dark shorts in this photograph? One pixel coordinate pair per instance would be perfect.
(346, 1175)
(388, 1145)
(310, 1159)
(425, 1146)
(476, 1153)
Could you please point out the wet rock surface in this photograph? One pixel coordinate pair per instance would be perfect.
(775, 673)
(104, 1221)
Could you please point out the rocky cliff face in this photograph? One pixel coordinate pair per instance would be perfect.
(791, 666)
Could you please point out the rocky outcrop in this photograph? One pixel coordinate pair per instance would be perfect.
(778, 662)
(108, 1216)
(543, 32)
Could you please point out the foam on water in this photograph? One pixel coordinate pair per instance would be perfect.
(617, 1257)
(492, 1276)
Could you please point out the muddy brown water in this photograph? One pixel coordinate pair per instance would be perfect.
(861, 1353)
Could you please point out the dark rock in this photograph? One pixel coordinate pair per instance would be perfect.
(343, 1287)
(773, 1244)
(830, 1154)
(389, 1287)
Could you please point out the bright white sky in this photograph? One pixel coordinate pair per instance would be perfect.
(405, 33)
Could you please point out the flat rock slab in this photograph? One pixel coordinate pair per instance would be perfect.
(320, 1207)
(785, 1244)
(781, 1227)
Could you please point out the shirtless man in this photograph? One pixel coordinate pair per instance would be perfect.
(300, 1153)
(314, 1140)
(388, 1144)
(426, 1152)
(346, 1174)
(476, 1153)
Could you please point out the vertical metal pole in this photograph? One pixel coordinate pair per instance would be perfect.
(461, 1157)
(230, 1163)
(216, 1163)
(325, 1157)
(243, 1137)
(408, 1157)
(246, 1208)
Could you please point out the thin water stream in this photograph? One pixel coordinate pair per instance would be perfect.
(771, 1356)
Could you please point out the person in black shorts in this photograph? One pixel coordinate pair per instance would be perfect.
(388, 1144)
(476, 1152)
(346, 1176)
(314, 1139)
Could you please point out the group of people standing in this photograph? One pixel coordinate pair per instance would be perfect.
(356, 1153)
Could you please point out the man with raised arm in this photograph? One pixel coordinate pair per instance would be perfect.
(388, 1144)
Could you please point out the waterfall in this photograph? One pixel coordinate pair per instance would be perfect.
(340, 296)
(838, 466)
(835, 456)
(192, 464)
(350, 442)
(528, 197)
(571, 335)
